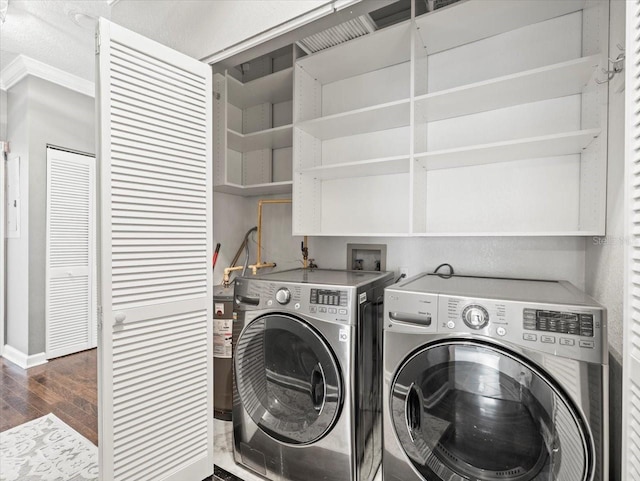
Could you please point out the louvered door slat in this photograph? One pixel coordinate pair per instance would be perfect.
(155, 107)
(70, 271)
(631, 365)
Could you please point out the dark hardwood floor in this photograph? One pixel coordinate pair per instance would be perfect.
(66, 387)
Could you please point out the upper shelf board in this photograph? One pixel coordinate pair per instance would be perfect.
(275, 138)
(284, 187)
(273, 88)
(558, 80)
(530, 148)
(473, 20)
(368, 119)
(364, 168)
(386, 47)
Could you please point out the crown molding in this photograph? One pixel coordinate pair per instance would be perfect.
(23, 66)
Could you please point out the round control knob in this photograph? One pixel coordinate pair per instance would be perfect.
(476, 317)
(283, 296)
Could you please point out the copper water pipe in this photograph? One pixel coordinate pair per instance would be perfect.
(259, 264)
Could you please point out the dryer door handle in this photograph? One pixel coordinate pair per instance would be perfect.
(424, 320)
(318, 387)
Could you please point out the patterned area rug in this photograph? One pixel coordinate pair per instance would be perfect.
(46, 449)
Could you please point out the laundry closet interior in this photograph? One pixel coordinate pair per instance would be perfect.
(462, 122)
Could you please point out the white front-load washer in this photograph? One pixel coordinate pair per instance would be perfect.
(307, 374)
(494, 380)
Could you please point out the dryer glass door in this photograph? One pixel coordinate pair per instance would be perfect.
(470, 410)
(287, 378)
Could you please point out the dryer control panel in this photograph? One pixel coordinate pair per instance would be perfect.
(576, 332)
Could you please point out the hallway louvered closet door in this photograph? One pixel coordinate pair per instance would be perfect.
(155, 242)
(71, 257)
(631, 367)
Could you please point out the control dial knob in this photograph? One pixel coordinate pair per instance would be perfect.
(475, 316)
(283, 296)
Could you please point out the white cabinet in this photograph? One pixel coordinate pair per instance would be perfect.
(253, 128)
(482, 118)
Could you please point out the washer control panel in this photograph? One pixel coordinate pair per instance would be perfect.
(316, 301)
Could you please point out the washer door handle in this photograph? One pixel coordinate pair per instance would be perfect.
(413, 411)
(253, 301)
(318, 388)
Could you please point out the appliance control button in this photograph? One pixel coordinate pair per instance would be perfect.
(451, 324)
(283, 296)
(332, 310)
(322, 309)
(312, 309)
(501, 331)
(296, 305)
(588, 344)
(475, 316)
(343, 312)
(270, 302)
(567, 342)
(548, 339)
(529, 337)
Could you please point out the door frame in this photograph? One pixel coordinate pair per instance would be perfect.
(3, 146)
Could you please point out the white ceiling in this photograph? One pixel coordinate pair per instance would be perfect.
(45, 30)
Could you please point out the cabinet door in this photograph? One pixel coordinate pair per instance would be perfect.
(155, 197)
(631, 367)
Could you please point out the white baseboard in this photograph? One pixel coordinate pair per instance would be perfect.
(21, 359)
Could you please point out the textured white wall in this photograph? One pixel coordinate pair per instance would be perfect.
(604, 255)
(536, 258)
(530, 257)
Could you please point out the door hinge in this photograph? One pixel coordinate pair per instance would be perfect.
(99, 318)
(97, 42)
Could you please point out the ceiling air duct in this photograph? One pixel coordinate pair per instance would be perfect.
(341, 33)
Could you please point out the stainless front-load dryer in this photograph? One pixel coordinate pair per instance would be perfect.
(307, 374)
(493, 379)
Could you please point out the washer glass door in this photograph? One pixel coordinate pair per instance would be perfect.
(467, 410)
(287, 378)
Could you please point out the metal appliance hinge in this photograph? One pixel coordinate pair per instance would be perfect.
(97, 42)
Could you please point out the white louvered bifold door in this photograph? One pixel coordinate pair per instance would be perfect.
(631, 365)
(71, 259)
(156, 369)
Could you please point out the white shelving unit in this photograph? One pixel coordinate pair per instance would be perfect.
(352, 122)
(480, 118)
(253, 132)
